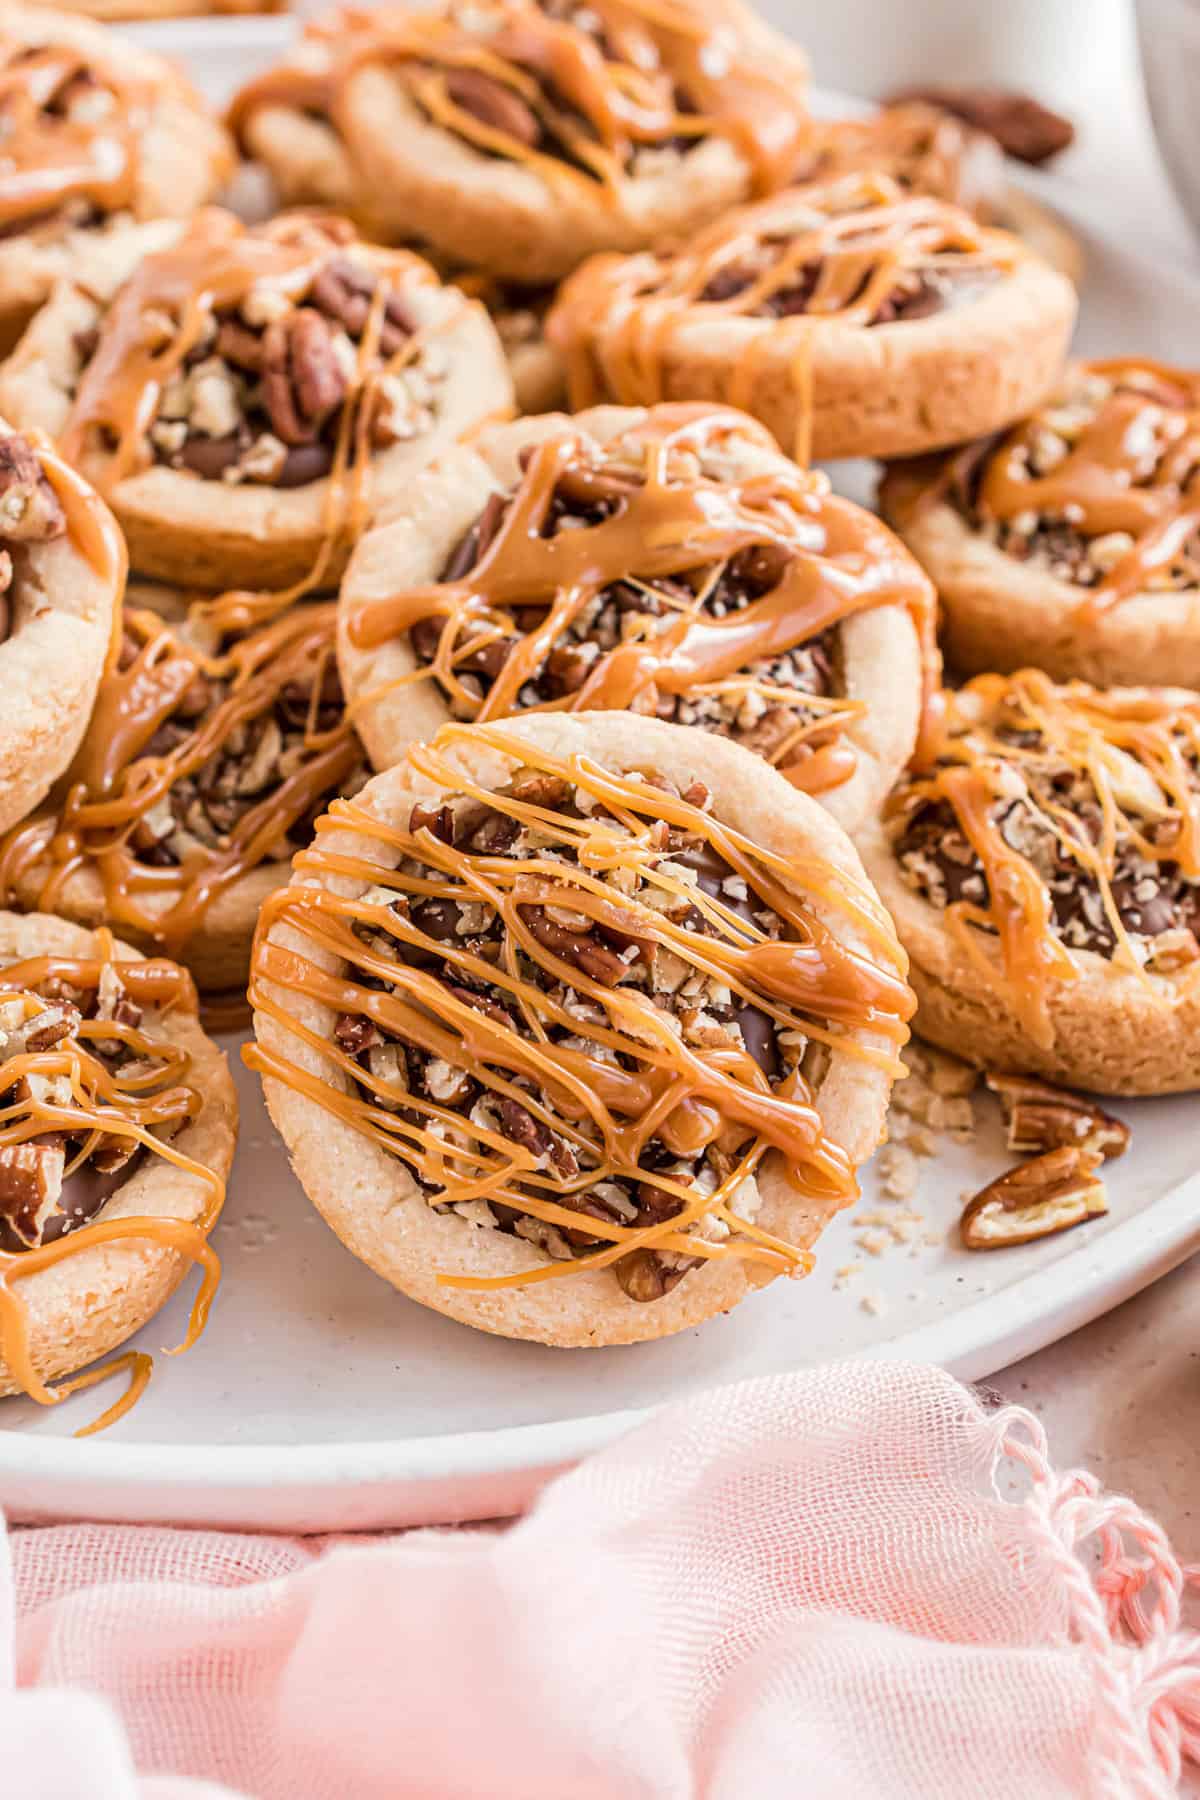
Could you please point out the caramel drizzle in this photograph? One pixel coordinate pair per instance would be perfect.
(103, 1106)
(49, 160)
(978, 772)
(115, 781)
(608, 1112)
(1113, 477)
(670, 520)
(599, 108)
(159, 316)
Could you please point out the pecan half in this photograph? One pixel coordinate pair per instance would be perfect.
(494, 105)
(579, 948)
(1021, 125)
(1040, 1117)
(344, 289)
(1035, 1200)
(303, 382)
(30, 510)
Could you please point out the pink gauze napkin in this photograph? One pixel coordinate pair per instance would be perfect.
(822, 1584)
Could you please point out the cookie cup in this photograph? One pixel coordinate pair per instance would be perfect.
(1113, 1031)
(183, 528)
(93, 1298)
(1000, 613)
(373, 1203)
(412, 540)
(823, 388)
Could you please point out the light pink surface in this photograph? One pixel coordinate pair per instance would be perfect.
(807, 1584)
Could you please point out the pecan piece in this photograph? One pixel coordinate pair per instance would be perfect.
(1037, 1199)
(303, 382)
(46, 1029)
(239, 345)
(644, 1276)
(521, 1126)
(30, 510)
(1021, 125)
(579, 948)
(1040, 1117)
(31, 1178)
(344, 289)
(494, 105)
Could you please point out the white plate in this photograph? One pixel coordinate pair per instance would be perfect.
(321, 1400)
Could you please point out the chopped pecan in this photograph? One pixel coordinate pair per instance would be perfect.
(30, 510)
(579, 948)
(303, 382)
(437, 819)
(1040, 1117)
(644, 1276)
(536, 787)
(356, 1034)
(49, 1028)
(239, 345)
(1052, 1193)
(494, 104)
(521, 1126)
(1021, 125)
(344, 289)
(31, 1178)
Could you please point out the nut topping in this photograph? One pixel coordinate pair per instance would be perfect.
(1052, 1193)
(303, 382)
(31, 1178)
(494, 105)
(1040, 1117)
(30, 510)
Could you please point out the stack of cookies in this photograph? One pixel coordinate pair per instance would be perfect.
(502, 704)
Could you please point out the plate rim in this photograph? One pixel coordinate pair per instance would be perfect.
(1165, 1232)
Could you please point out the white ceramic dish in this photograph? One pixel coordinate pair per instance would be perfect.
(321, 1400)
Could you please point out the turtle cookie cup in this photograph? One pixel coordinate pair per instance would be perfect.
(577, 1028)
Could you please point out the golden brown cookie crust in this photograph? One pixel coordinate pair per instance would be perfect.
(205, 533)
(369, 1198)
(88, 1303)
(1003, 614)
(1114, 1032)
(412, 540)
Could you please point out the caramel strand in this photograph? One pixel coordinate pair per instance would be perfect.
(102, 1104)
(648, 1083)
(117, 779)
(1139, 752)
(669, 521)
(596, 96)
